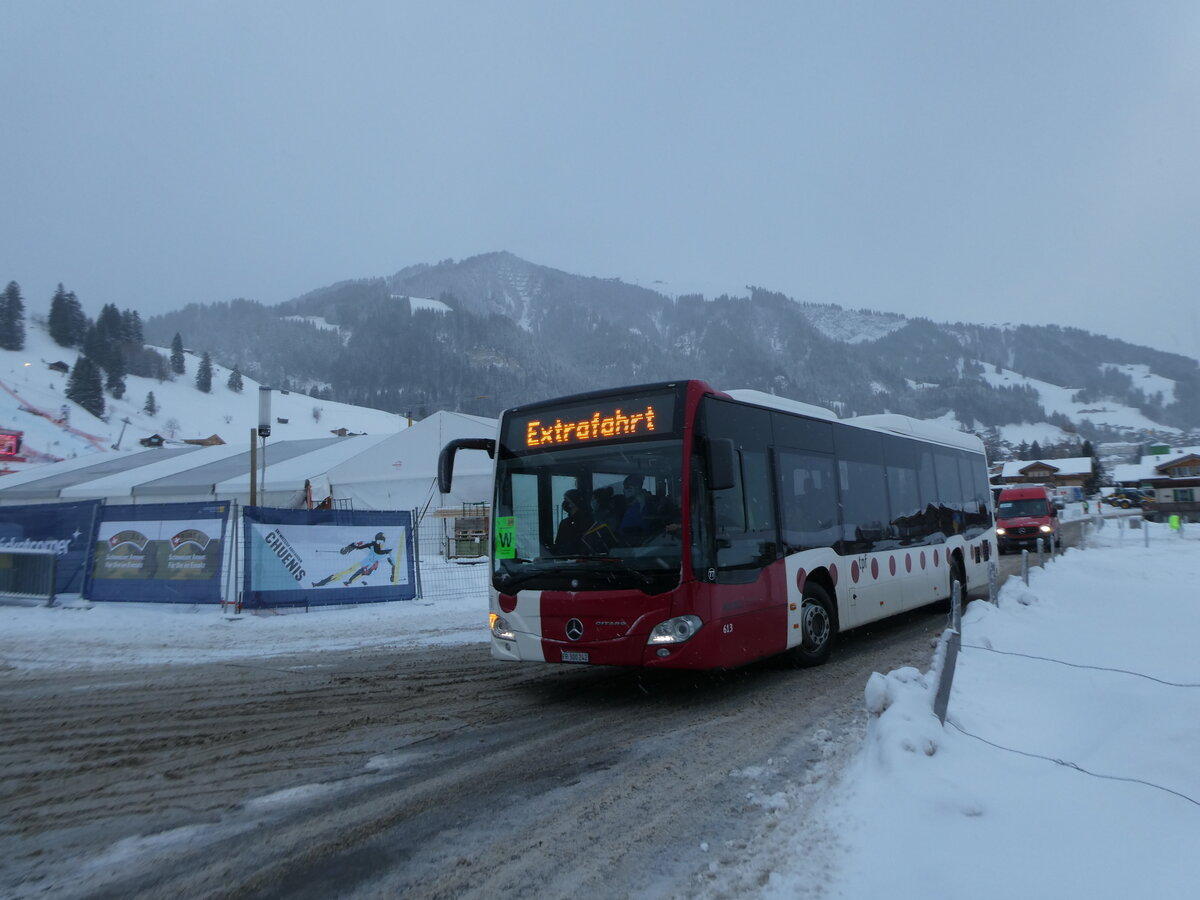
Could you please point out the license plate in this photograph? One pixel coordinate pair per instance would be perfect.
(574, 656)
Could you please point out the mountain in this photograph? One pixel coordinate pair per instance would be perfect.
(492, 331)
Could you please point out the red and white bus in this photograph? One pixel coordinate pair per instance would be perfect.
(710, 529)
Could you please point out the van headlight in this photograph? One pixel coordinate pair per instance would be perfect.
(675, 631)
(1045, 529)
(501, 629)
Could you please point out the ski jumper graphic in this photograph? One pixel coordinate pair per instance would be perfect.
(373, 554)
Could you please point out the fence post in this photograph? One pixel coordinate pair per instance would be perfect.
(993, 592)
(416, 544)
(1041, 545)
(942, 699)
(1025, 567)
(51, 600)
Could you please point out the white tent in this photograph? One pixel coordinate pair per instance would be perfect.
(400, 472)
(121, 487)
(388, 471)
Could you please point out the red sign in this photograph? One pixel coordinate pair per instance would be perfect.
(10, 444)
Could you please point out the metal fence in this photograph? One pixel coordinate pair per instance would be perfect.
(27, 574)
(446, 569)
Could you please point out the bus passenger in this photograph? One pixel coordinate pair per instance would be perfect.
(606, 521)
(576, 523)
(635, 521)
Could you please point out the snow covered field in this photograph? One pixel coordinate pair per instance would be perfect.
(1049, 779)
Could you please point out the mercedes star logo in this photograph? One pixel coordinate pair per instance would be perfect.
(574, 629)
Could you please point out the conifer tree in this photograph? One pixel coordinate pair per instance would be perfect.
(150, 407)
(235, 381)
(1092, 485)
(12, 318)
(114, 380)
(59, 319)
(66, 321)
(131, 327)
(177, 364)
(204, 373)
(84, 386)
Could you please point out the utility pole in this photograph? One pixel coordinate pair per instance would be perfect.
(117, 445)
(264, 431)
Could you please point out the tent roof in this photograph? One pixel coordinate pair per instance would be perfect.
(204, 478)
(292, 472)
(413, 453)
(397, 466)
(119, 483)
(44, 483)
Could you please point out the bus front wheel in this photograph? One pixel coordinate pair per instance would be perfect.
(817, 626)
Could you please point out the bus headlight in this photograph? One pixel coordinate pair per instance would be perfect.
(675, 631)
(501, 628)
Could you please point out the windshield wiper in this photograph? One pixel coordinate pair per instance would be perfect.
(610, 565)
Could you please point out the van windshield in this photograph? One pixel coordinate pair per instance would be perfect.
(1013, 509)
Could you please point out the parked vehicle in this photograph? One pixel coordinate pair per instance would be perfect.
(1127, 498)
(1023, 515)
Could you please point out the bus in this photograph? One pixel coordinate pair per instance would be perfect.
(709, 529)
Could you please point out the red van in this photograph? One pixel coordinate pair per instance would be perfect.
(1024, 514)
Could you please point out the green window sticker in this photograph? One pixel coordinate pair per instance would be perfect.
(506, 537)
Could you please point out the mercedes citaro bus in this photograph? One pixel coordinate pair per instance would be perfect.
(677, 526)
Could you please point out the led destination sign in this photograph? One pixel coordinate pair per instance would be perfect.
(629, 417)
(619, 424)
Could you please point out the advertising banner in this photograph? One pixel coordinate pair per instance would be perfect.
(66, 528)
(159, 552)
(301, 557)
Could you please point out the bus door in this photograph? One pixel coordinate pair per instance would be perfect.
(739, 524)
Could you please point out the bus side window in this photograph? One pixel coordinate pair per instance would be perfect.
(951, 512)
(807, 499)
(904, 494)
(930, 504)
(863, 492)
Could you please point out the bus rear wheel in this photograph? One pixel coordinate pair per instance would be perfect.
(817, 626)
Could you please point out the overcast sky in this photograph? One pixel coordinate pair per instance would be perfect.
(984, 162)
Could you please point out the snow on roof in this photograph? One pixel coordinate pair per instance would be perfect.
(786, 404)
(46, 482)
(918, 428)
(1073, 465)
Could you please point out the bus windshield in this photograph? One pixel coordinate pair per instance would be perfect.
(590, 517)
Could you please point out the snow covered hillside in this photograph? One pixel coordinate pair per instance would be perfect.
(33, 401)
(1056, 399)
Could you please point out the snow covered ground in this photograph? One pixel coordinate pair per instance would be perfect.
(32, 398)
(1066, 768)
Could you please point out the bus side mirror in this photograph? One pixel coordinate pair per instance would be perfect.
(722, 464)
(446, 457)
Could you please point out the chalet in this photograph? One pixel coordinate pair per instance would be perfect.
(1073, 472)
(212, 440)
(59, 366)
(155, 440)
(1173, 475)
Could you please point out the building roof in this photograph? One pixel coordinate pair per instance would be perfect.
(1071, 466)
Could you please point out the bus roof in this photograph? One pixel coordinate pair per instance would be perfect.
(785, 404)
(918, 428)
(887, 422)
